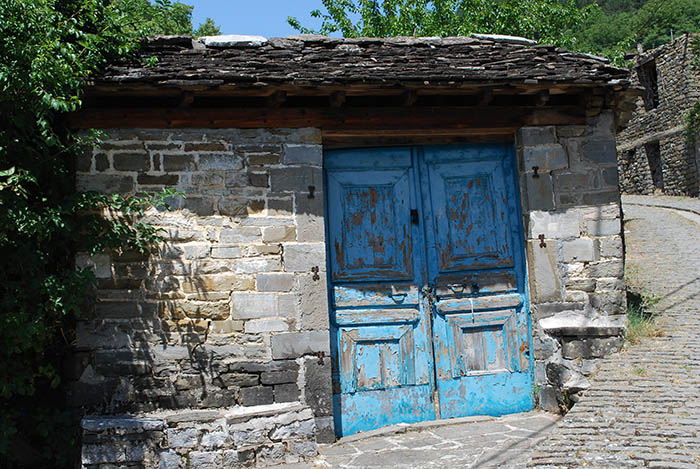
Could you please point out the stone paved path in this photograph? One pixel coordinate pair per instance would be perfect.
(643, 408)
(472, 442)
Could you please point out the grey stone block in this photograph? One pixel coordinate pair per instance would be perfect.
(253, 305)
(178, 163)
(579, 250)
(295, 179)
(274, 282)
(325, 432)
(530, 136)
(255, 326)
(220, 162)
(102, 162)
(303, 257)
(548, 399)
(540, 192)
(182, 438)
(202, 206)
(296, 344)
(610, 177)
(556, 225)
(313, 302)
(171, 460)
(158, 180)
(600, 198)
(590, 348)
(288, 392)
(318, 390)
(603, 227)
(600, 151)
(544, 157)
(132, 161)
(259, 179)
(105, 183)
(611, 247)
(205, 459)
(581, 284)
(277, 234)
(279, 377)
(243, 234)
(309, 218)
(545, 282)
(573, 182)
(257, 395)
(303, 154)
(225, 252)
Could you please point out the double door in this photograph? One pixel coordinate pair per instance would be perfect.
(429, 312)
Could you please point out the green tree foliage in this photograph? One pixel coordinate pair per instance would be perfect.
(48, 49)
(551, 21)
(208, 28)
(622, 24)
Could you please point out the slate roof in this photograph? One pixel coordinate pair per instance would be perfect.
(309, 60)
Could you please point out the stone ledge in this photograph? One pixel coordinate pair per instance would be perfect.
(586, 331)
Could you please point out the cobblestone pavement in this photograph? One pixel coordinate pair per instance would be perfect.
(691, 204)
(643, 408)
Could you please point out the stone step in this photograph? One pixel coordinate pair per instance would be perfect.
(256, 436)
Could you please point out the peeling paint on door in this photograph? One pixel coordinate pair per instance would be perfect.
(427, 285)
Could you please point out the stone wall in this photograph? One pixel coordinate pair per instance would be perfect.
(206, 439)
(678, 89)
(232, 309)
(571, 209)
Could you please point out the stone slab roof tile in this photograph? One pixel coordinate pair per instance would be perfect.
(312, 60)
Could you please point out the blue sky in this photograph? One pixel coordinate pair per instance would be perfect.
(262, 17)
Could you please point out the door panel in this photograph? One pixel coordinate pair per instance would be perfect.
(480, 324)
(427, 285)
(383, 364)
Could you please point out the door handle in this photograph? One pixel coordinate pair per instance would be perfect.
(398, 297)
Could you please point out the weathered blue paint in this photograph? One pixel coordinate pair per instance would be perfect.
(427, 285)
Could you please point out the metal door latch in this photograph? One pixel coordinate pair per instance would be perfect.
(542, 243)
(429, 294)
(414, 216)
(320, 356)
(314, 269)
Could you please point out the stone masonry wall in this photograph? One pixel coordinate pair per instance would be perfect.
(678, 90)
(571, 210)
(232, 309)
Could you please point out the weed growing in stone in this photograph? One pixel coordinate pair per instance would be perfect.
(641, 317)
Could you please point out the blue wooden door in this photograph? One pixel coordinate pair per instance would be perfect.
(476, 270)
(428, 307)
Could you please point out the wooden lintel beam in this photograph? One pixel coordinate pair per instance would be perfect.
(186, 99)
(376, 118)
(277, 99)
(485, 97)
(336, 99)
(409, 98)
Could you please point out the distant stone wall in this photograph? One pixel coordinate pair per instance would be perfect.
(678, 88)
(232, 309)
(571, 208)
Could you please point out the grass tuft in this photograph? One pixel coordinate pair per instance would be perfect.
(641, 317)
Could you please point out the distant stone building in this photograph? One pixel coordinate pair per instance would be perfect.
(654, 153)
(373, 231)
